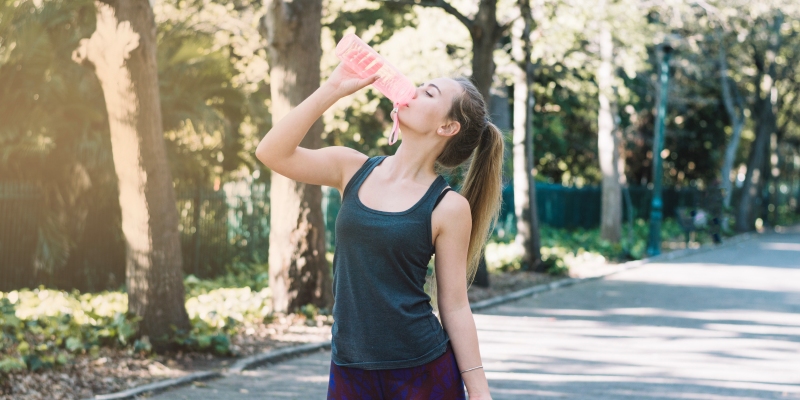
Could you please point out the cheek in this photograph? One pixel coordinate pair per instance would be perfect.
(430, 114)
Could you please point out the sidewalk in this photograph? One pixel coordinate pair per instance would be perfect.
(722, 324)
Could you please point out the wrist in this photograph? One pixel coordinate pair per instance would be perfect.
(331, 91)
(479, 395)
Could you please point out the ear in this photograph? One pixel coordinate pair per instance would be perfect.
(449, 129)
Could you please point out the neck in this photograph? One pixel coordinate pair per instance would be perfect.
(413, 160)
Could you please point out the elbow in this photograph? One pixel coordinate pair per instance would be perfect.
(262, 154)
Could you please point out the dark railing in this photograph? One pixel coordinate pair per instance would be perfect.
(19, 234)
(223, 228)
(218, 229)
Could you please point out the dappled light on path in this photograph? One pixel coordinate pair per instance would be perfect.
(721, 324)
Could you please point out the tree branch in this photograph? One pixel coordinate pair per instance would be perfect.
(437, 4)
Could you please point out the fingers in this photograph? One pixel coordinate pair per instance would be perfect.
(373, 79)
(362, 83)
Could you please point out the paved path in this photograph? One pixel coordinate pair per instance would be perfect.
(723, 324)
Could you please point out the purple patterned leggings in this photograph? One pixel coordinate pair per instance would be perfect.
(438, 379)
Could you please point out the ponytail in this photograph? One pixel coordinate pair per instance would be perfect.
(480, 142)
(483, 190)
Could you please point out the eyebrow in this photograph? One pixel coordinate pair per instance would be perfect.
(437, 88)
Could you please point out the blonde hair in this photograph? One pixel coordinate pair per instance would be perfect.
(480, 142)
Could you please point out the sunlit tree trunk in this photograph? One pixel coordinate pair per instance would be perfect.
(122, 51)
(524, 184)
(298, 269)
(732, 101)
(611, 204)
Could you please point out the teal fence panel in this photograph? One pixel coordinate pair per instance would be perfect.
(19, 221)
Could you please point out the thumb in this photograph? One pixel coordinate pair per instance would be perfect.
(362, 83)
(372, 79)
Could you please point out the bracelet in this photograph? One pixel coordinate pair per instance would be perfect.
(467, 370)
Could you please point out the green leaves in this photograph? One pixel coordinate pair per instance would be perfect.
(12, 364)
(43, 328)
(562, 248)
(74, 344)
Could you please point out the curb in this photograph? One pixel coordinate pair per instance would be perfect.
(484, 304)
(293, 351)
(159, 386)
(275, 355)
(236, 368)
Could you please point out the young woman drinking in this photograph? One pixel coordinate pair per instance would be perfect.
(396, 212)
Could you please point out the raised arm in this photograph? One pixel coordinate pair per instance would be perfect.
(279, 150)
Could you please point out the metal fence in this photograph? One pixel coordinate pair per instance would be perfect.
(559, 206)
(223, 227)
(220, 228)
(18, 234)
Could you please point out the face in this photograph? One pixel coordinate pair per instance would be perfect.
(427, 112)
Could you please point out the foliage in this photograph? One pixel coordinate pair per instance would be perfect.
(360, 121)
(44, 328)
(562, 248)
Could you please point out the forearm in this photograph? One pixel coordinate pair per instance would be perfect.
(460, 326)
(285, 135)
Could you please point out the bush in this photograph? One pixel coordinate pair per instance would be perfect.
(562, 248)
(43, 328)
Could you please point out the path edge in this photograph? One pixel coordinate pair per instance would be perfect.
(294, 351)
(565, 282)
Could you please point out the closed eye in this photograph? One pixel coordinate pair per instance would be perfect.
(429, 95)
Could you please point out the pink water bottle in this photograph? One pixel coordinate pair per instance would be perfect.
(366, 62)
(391, 82)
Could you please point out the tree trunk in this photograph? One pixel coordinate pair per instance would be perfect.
(754, 178)
(298, 270)
(611, 204)
(766, 95)
(485, 33)
(737, 122)
(122, 51)
(524, 183)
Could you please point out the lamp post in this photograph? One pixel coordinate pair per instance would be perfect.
(657, 205)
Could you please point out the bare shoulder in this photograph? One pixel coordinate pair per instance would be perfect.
(452, 213)
(350, 160)
(454, 205)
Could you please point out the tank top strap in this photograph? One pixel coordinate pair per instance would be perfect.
(361, 175)
(434, 194)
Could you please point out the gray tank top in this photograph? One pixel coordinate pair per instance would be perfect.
(382, 316)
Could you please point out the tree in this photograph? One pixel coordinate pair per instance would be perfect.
(122, 52)
(524, 185)
(734, 106)
(485, 32)
(607, 146)
(298, 270)
(766, 96)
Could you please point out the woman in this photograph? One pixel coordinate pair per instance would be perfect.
(396, 212)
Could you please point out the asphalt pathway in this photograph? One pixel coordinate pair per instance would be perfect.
(722, 324)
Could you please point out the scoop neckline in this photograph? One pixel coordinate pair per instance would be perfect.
(417, 204)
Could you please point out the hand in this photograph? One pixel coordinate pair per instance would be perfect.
(345, 81)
